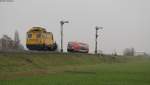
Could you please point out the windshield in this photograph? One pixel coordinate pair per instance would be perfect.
(38, 35)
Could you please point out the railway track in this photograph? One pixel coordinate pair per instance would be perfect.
(40, 52)
(28, 51)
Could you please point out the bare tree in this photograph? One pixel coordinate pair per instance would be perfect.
(18, 45)
(16, 39)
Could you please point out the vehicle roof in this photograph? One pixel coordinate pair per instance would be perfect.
(37, 29)
(78, 43)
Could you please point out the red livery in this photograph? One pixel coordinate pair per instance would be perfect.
(78, 47)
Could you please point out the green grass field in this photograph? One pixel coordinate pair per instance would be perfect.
(72, 69)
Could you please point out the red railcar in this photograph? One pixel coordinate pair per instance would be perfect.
(78, 47)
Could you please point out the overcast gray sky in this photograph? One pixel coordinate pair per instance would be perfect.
(126, 22)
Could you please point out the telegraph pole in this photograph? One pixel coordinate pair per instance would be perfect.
(62, 23)
(96, 36)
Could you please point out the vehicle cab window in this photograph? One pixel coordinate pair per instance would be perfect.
(29, 36)
(38, 35)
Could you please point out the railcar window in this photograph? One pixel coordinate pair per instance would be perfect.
(29, 36)
(52, 37)
(38, 36)
(43, 35)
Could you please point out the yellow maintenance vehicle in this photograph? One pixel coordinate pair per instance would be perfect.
(39, 39)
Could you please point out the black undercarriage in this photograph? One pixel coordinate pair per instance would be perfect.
(42, 47)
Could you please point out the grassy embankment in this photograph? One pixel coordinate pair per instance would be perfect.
(72, 69)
